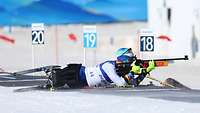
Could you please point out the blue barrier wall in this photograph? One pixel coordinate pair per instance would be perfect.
(25, 12)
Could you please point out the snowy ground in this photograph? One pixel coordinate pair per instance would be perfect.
(80, 101)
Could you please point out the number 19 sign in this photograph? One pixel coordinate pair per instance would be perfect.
(146, 40)
(90, 37)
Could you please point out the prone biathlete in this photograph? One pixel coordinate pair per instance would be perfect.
(120, 72)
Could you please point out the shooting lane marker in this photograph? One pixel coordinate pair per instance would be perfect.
(89, 39)
(37, 38)
(146, 43)
(56, 45)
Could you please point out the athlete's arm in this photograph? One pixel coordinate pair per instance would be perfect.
(111, 72)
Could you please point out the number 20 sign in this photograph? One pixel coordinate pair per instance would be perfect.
(90, 37)
(37, 33)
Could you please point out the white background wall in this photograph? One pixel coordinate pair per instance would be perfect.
(185, 14)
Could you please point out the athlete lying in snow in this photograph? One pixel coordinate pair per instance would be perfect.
(120, 72)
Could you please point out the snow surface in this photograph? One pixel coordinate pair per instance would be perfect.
(79, 102)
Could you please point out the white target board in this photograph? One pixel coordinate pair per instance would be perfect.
(37, 33)
(146, 44)
(146, 40)
(90, 37)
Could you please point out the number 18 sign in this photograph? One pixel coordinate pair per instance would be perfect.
(90, 37)
(146, 40)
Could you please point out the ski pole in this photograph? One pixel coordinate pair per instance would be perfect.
(161, 82)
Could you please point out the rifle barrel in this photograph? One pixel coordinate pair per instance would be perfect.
(184, 58)
(166, 59)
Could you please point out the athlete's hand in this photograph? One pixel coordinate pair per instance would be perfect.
(128, 78)
(151, 66)
(135, 69)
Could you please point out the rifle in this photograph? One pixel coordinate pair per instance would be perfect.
(158, 62)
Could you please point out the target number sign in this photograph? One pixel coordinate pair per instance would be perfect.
(90, 37)
(38, 33)
(146, 43)
(146, 40)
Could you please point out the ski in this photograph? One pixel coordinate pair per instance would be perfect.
(176, 84)
(45, 69)
(22, 78)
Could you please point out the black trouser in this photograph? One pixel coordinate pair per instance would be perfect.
(68, 75)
